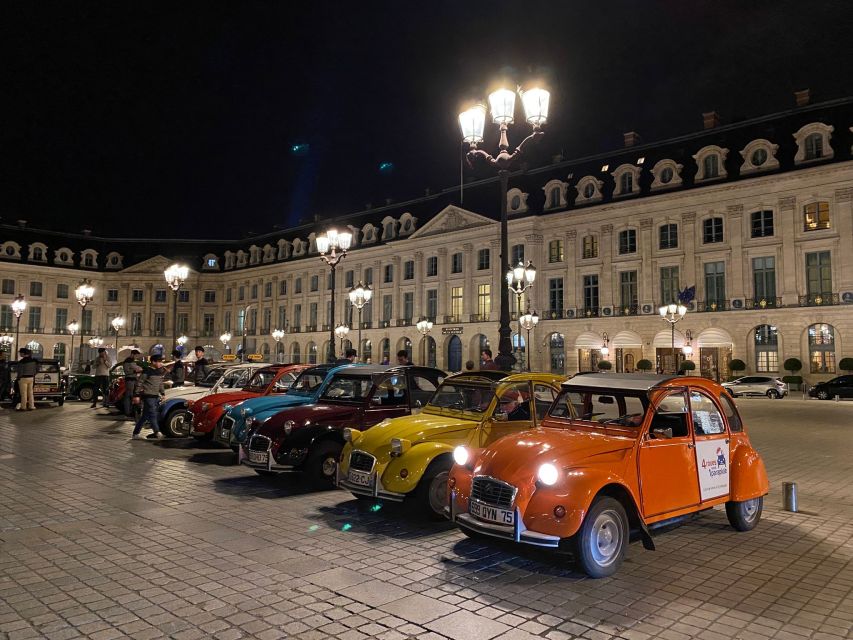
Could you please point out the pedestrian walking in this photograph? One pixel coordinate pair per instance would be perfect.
(27, 369)
(149, 390)
(177, 371)
(131, 369)
(101, 366)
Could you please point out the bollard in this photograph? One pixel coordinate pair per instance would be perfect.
(837, 398)
(789, 496)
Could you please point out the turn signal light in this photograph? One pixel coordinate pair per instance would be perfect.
(559, 511)
(404, 473)
(451, 482)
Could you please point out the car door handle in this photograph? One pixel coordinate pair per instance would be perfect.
(727, 440)
(690, 446)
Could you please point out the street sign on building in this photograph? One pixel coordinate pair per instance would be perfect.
(451, 331)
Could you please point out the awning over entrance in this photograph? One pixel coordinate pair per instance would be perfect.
(626, 339)
(714, 337)
(589, 340)
(663, 339)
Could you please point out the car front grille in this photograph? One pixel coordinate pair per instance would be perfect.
(493, 492)
(260, 443)
(361, 461)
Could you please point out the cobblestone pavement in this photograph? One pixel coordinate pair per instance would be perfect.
(103, 537)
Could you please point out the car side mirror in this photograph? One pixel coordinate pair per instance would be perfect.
(418, 403)
(662, 433)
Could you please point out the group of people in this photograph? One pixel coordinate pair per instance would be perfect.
(22, 392)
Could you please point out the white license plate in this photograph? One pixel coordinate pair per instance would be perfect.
(492, 514)
(42, 389)
(361, 478)
(260, 457)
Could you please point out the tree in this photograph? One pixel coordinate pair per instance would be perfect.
(605, 365)
(846, 364)
(687, 365)
(644, 365)
(793, 365)
(737, 365)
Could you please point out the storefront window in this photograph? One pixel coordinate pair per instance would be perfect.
(822, 348)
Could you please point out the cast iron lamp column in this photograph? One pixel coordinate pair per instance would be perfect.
(519, 280)
(72, 327)
(359, 296)
(117, 323)
(333, 247)
(528, 321)
(19, 305)
(673, 314)
(472, 123)
(176, 275)
(277, 335)
(424, 325)
(341, 331)
(84, 294)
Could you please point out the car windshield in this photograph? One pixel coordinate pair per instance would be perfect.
(466, 397)
(262, 379)
(609, 407)
(234, 378)
(307, 383)
(350, 388)
(212, 377)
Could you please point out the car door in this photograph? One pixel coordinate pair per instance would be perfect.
(713, 451)
(667, 461)
(845, 387)
(388, 399)
(513, 411)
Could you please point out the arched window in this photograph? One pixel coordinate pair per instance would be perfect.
(430, 352)
(589, 190)
(312, 353)
(711, 166)
(365, 354)
(822, 348)
(766, 341)
(626, 183)
(38, 254)
(814, 146)
(554, 199)
(385, 348)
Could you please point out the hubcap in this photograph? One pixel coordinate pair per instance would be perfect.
(823, 395)
(606, 539)
(178, 424)
(750, 509)
(329, 465)
(438, 492)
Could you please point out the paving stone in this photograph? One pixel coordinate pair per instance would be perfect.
(464, 625)
(418, 608)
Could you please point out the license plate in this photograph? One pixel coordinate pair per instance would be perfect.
(42, 388)
(492, 514)
(261, 457)
(361, 478)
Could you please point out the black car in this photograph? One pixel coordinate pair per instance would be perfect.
(842, 386)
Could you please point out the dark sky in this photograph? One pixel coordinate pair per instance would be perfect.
(177, 119)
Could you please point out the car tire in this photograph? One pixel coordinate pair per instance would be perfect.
(745, 515)
(822, 395)
(322, 463)
(602, 541)
(773, 394)
(85, 394)
(431, 492)
(174, 424)
(60, 402)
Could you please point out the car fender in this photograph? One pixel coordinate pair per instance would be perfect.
(171, 404)
(416, 461)
(748, 475)
(307, 437)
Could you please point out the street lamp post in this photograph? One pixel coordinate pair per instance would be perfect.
(673, 313)
(473, 122)
(333, 247)
(529, 321)
(84, 294)
(72, 327)
(225, 338)
(19, 304)
(176, 275)
(519, 280)
(277, 335)
(605, 345)
(424, 325)
(341, 331)
(359, 296)
(117, 323)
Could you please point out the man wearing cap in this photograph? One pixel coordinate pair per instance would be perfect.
(131, 369)
(149, 389)
(200, 366)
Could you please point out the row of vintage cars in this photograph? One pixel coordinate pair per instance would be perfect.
(585, 464)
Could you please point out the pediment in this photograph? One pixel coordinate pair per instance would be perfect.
(450, 220)
(151, 265)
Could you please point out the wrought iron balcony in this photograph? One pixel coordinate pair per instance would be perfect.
(479, 317)
(714, 305)
(295, 329)
(552, 314)
(762, 303)
(452, 319)
(590, 312)
(818, 299)
(404, 322)
(630, 310)
(311, 327)
(384, 324)
(367, 324)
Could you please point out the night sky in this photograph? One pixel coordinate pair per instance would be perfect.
(179, 119)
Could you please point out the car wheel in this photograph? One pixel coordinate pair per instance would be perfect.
(603, 538)
(85, 394)
(431, 493)
(175, 425)
(772, 394)
(823, 395)
(322, 463)
(744, 515)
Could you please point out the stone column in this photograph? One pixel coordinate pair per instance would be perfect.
(690, 269)
(788, 269)
(843, 221)
(571, 299)
(647, 278)
(441, 311)
(605, 282)
(538, 294)
(420, 292)
(734, 221)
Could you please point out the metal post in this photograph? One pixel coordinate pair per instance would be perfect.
(505, 359)
(17, 330)
(71, 363)
(359, 357)
(174, 323)
(789, 497)
(332, 356)
(527, 348)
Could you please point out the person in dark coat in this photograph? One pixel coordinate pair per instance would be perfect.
(349, 357)
(177, 371)
(488, 363)
(149, 389)
(200, 367)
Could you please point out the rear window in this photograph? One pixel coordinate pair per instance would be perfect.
(344, 387)
(732, 416)
(601, 407)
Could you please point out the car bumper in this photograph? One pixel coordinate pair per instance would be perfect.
(516, 533)
(374, 490)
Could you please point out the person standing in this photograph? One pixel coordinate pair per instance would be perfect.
(349, 357)
(403, 357)
(27, 369)
(5, 376)
(149, 389)
(488, 363)
(177, 372)
(130, 367)
(200, 368)
(101, 366)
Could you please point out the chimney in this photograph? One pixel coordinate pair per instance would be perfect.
(803, 97)
(22, 223)
(632, 138)
(710, 120)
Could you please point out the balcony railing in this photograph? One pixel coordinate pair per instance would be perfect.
(452, 319)
(327, 327)
(630, 310)
(479, 317)
(818, 299)
(714, 305)
(311, 327)
(367, 324)
(762, 303)
(404, 322)
(590, 312)
(384, 324)
(35, 330)
(295, 329)
(553, 314)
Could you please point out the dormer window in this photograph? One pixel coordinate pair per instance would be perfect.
(813, 143)
(710, 161)
(759, 155)
(88, 260)
(626, 183)
(516, 201)
(589, 189)
(711, 166)
(667, 173)
(627, 178)
(555, 194)
(38, 254)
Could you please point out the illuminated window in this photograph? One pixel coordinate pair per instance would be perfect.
(590, 246)
(484, 299)
(822, 348)
(816, 216)
(766, 341)
(555, 251)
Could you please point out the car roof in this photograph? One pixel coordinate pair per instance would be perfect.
(370, 369)
(489, 375)
(624, 381)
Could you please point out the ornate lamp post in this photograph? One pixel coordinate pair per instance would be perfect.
(673, 313)
(277, 335)
(424, 325)
(96, 342)
(341, 332)
(359, 296)
(19, 305)
(225, 338)
(84, 294)
(73, 327)
(5, 341)
(605, 345)
(519, 280)
(333, 247)
(117, 323)
(176, 275)
(473, 122)
(528, 321)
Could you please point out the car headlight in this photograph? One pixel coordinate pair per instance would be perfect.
(399, 446)
(351, 435)
(288, 427)
(461, 455)
(548, 474)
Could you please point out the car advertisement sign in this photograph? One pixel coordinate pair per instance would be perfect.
(712, 461)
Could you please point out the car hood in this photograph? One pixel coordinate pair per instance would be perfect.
(415, 428)
(237, 395)
(255, 406)
(312, 414)
(516, 458)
